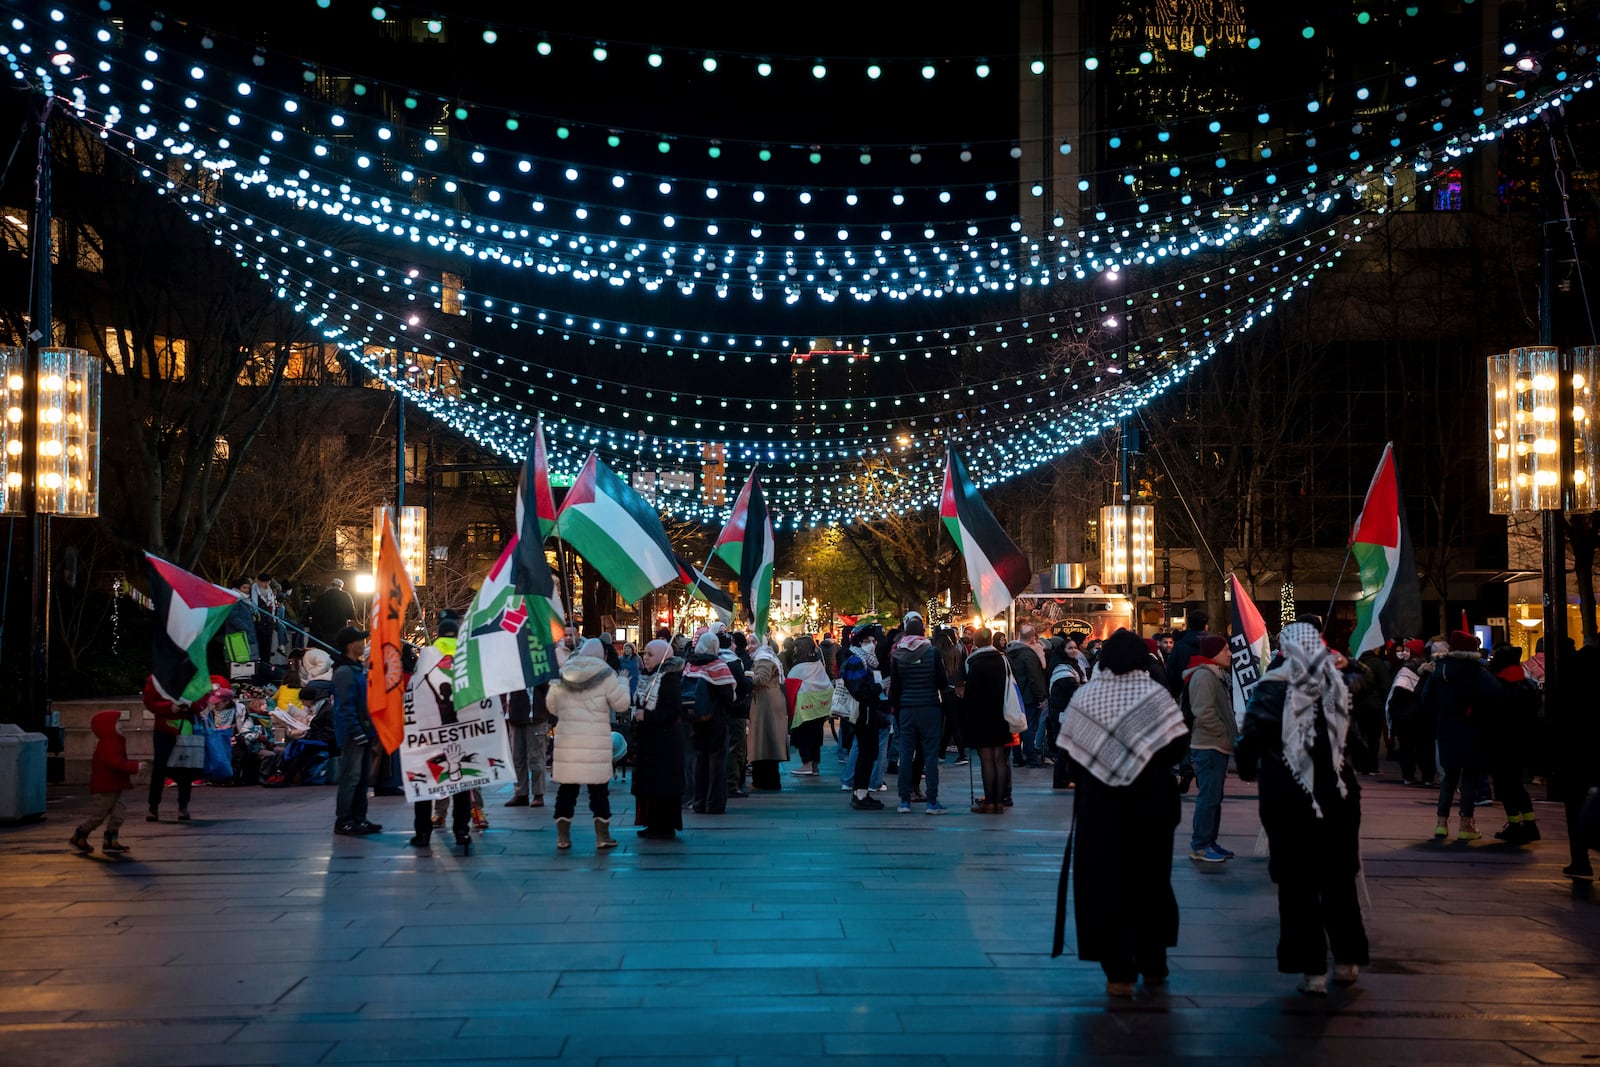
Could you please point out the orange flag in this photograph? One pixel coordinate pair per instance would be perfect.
(385, 680)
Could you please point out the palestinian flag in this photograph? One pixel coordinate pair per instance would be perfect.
(508, 638)
(703, 588)
(613, 528)
(1390, 603)
(996, 567)
(746, 545)
(189, 611)
(536, 517)
(1248, 644)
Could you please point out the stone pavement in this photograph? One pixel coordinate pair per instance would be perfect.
(791, 931)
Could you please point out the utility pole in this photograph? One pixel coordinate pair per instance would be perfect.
(40, 318)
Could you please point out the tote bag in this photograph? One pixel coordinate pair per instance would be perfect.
(1016, 715)
(188, 751)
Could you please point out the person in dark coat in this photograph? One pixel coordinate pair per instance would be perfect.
(1575, 729)
(863, 680)
(984, 722)
(1124, 731)
(332, 611)
(1509, 734)
(1403, 708)
(1065, 678)
(1460, 697)
(658, 743)
(1294, 743)
(1185, 648)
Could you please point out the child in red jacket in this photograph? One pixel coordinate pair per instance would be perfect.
(110, 773)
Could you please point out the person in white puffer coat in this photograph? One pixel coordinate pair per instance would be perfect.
(583, 702)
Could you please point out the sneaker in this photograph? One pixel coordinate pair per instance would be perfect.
(1442, 831)
(1468, 831)
(1121, 990)
(1314, 985)
(1226, 854)
(112, 845)
(1581, 871)
(883, 787)
(480, 821)
(961, 762)
(363, 828)
(1346, 973)
(1511, 831)
(80, 841)
(846, 786)
(904, 809)
(866, 803)
(936, 808)
(1209, 854)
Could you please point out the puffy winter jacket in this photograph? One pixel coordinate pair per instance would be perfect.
(583, 702)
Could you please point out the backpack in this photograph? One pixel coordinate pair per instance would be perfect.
(695, 694)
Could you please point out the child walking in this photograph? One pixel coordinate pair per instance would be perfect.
(110, 773)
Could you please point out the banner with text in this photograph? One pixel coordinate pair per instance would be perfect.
(470, 753)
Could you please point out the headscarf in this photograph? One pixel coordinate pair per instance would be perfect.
(661, 650)
(1117, 722)
(707, 645)
(644, 696)
(592, 647)
(1311, 680)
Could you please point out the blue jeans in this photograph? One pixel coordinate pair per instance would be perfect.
(848, 777)
(1030, 736)
(920, 726)
(1210, 771)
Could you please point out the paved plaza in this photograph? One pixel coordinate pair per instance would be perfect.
(791, 931)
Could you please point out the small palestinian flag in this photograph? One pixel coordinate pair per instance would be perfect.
(613, 528)
(536, 517)
(1390, 604)
(996, 567)
(703, 588)
(189, 610)
(746, 545)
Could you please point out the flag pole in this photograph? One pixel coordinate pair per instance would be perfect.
(1334, 596)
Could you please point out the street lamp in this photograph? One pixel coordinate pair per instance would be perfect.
(411, 531)
(64, 438)
(1127, 541)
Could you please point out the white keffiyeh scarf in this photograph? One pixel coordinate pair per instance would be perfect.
(1311, 679)
(1117, 722)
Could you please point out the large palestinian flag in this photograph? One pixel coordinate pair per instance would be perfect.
(746, 545)
(996, 567)
(1248, 645)
(703, 588)
(189, 610)
(1390, 603)
(536, 517)
(613, 528)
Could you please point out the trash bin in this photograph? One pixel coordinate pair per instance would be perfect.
(22, 793)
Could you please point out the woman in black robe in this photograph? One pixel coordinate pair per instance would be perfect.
(1296, 729)
(1124, 733)
(658, 743)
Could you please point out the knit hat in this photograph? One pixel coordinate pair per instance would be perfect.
(1150, 643)
(1212, 645)
(315, 664)
(1416, 648)
(591, 647)
(1461, 641)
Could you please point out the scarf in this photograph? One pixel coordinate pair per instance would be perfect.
(910, 642)
(1116, 724)
(869, 657)
(1310, 681)
(715, 672)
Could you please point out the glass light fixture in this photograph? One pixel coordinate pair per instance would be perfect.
(1114, 555)
(67, 434)
(411, 530)
(1524, 429)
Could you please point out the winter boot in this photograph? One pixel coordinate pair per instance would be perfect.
(1530, 827)
(602, 835)
(1442, 830)
(80, 841)
(563, 833)
(112, 845)
(480, 821)
(1468, 831)
(1511, 831)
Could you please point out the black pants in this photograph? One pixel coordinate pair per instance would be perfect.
(165, 743)
(952, 727)
(1469, 779)
(599, 800)
(460, 815)
(1314, 916)
(1416, 752)
(711, 766)
(1510, 792)
(866, 755)
(808, 740)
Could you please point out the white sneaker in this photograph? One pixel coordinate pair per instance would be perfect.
(1314, 985)
(1346, 973)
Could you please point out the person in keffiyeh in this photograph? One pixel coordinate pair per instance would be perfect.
(1124, 733)
(1295, 731)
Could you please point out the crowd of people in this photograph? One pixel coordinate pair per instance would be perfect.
(1131, 723)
